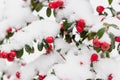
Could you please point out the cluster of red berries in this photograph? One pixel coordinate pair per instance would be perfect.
(49, 40)
(103, 45)
(117, 38)
(80, 25)
(56, 4)
(9, 56)
(100, 9)
(94, 57)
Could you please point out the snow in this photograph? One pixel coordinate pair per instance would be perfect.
(75, 10)
(36, 30)
(75, 63)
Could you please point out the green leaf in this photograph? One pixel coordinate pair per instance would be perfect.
(66, 24)
(48, 12)
(9, 35)
(110, 2)
(105, 24)
(97, 49)
(28, 48)
(101, 32)
(99, 79)
(1, 42)
(114, 26)
(112, 37)
(40, 46)
(83, 34)
(39, 7)
(19, 53)
(91, 35)
(40, 17)
(58, 50)
(54, 13)
(32, 50)
(88, 79)
(91, 64)
(107, 54)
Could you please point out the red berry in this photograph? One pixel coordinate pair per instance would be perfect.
(49, 39)
(59, 3)
(18, 75)
(8, 76)
(52, 5)
(117, 38)
(41, 77)
(105, 46)
(100, 9)
(79, 29)
(94, 57)
(110, 77)
(10, 57)
(4, 54)
(81, 63)
(96, 43)
(13, 53)
(1, 54)
(9, 30)
(81, 23)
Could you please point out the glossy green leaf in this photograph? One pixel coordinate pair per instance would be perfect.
(48, 12)
(114, 26)
(1, 42)
(39, 7)
(19, 53)
(112, 37)
(91, 35)
(66, 24)
(9, 35)
(28, 48)
(40, 46)
(110, 2)
(101, 32)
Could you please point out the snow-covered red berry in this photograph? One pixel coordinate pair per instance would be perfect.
(49, 39)
(117, 38)
(105, 46)
(96, 43)
(100, 9)
(81, 23)
(94, 57)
